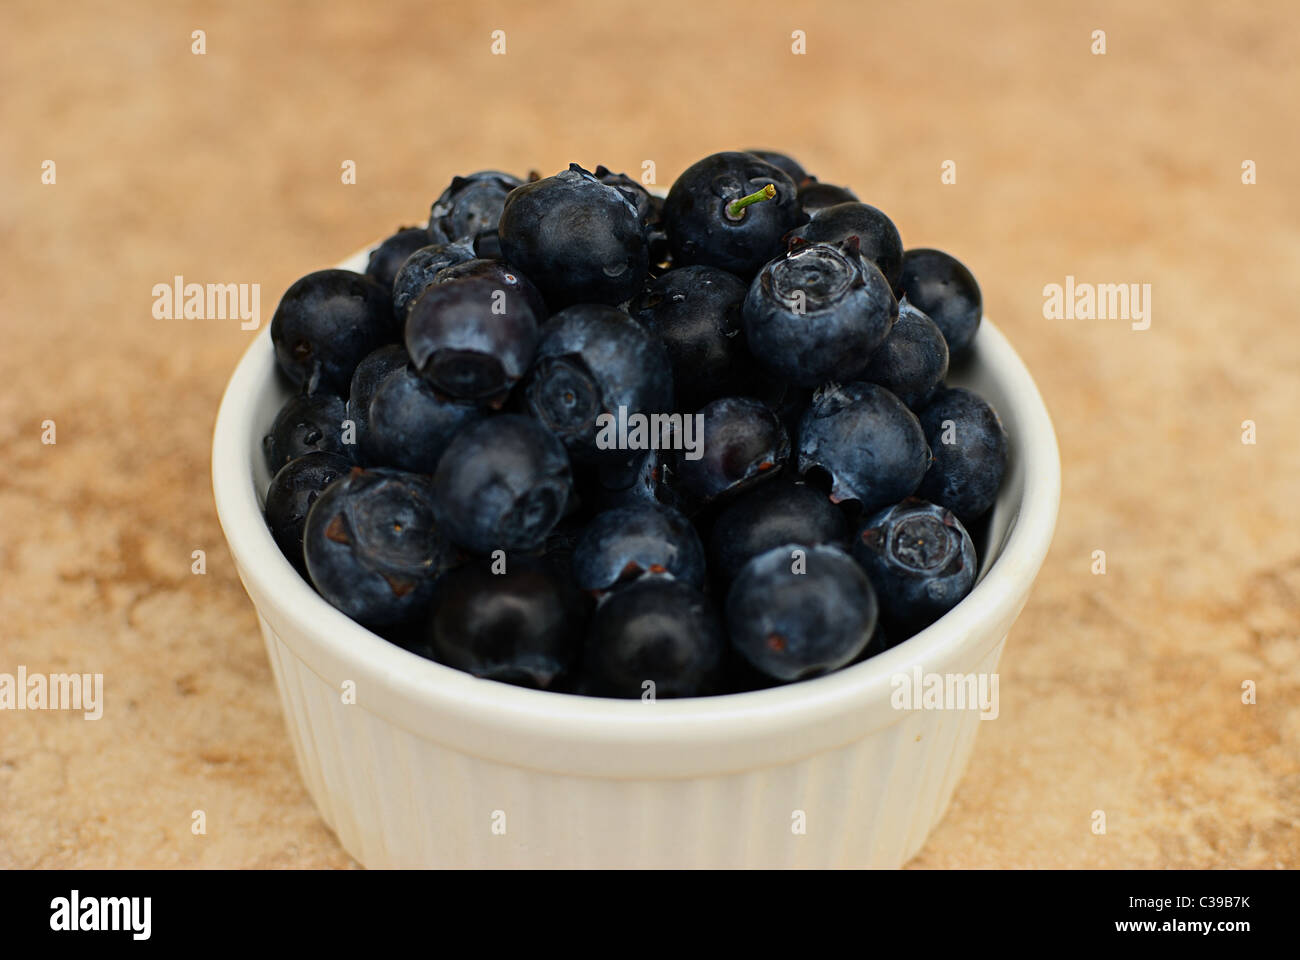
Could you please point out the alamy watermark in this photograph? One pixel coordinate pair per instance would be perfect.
(945, 691)
(1098, 301)
(651, 431)
(179, 300)
(53, 691)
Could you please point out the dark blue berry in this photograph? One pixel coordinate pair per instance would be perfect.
(913, 360)
(869, 443)
(470, 209)
(502, 484)
(370, 372)
(624, 543)
(941, 287)
(817, 313)
(648, 206)
(818, 196)
(796, 612)
(919, 558)
(325, 324)
(743, 443)
(504, 276)
(878, 238)
(771, 515)
(292, 492)
(791, 167)
(307, 423)
(373, 548)
(969, 445)
(387, 258)
(410, 424)
(420, 271)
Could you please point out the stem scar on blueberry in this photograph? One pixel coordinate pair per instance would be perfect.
(736, 208)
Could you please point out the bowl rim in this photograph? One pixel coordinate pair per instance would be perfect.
(405, 677)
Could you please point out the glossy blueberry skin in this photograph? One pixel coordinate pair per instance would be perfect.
(292, 492)
(325, 324)
(506, 278)
(789, 165)
(743, 443)
(307, 423)
(642, 479)
(815, 196)
(523, 626)
(941, 287)
(420, 271)
(622, 544)
(872, 446)
(410, 424)
(847, 311)
(793, 626)
(471, 339)
(913, 360)
(695, 217)
(370, 373)
(648, 206)
(592, 359)
(656, 629)
(967, 473)
(920, 559)
(769, 516)
(878, 238)
(469, 211)
(578, 239)
(695, 311)
(387, 258)
(502, 484)
(373, 548)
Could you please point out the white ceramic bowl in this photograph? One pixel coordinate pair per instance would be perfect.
(431, 767)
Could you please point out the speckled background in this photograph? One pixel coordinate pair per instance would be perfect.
(1120, 692)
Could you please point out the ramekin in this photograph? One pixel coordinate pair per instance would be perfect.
(414, 764)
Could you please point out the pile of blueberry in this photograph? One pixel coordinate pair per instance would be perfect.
(578, 437)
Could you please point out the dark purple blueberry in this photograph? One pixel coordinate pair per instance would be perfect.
(869, 443)
(789, 165)
(502, 484)
(648, 206)
(817, 313)
(878, 238)
(387, 258)
(420, 271)
(591, 360)
(622, 544)
(913, 360)
(373, 547)
(796, 612)
(325, 324)
(815, 196)
(523, 625)
(706, 224)
(969, 445)
(644, 478)
(579, 240)
(743, 442)
(771, 515)
(504, 276)
(471, 338)
(366, 378)
(941, 287)
(654, 639)
(291, 494)
(411, 424)
(307, 423)
(920, 559)
(470, 209)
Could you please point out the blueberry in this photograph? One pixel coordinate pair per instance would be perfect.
(387, 258)
(591, 360)
(622, 544)
(743, 442)
(796, 612)
(643, 478)
(912, 361)
(817, 313)
(769, 516)
(307, 423)
(470, 209)
(471, 338)
(919, 558)
(878, 238)
(940, 286)
(325, 324)
(502, 484)
(970, 453)
(373, 548)
(420, 271)
(790, 166)
(410, 423)
(707, 224)
(579, 240)
(872, 446)
(522, 626)
(818, 196)
(503, 275)
(657, 636)
(370, 372)
(291, 494)
(648, 206)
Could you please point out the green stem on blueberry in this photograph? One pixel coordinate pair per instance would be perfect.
(736, 209)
